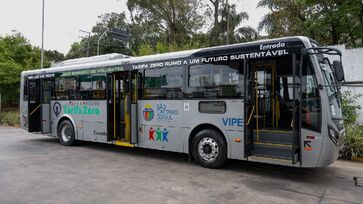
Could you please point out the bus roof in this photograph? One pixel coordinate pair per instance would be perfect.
(209, 51)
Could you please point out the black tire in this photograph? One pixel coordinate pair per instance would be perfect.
(209, 149)
(66, 133)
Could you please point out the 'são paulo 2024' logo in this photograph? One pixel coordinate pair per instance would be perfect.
(148, 112)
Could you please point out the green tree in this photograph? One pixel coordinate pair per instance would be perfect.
(172, 21)
(328, 21)
(108, 23)
(16, 48)
(54, 55)
(147, 49)
(9, 82)
(226, 24)
(111, 23)
(340, 19)
(246, 34)
(350, 107)
(75, 51)
(353, 140)
(16, 55)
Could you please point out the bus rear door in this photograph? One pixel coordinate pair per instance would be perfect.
(46, 89)
(121, 108)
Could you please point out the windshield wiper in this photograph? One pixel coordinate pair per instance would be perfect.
(335, 95)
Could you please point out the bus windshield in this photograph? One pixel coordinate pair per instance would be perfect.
(332, 89)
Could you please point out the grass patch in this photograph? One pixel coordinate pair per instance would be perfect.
(10, 118)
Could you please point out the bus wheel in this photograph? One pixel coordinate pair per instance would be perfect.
(66, 133)
(209, 149)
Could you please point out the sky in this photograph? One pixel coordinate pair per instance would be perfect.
(64, 18)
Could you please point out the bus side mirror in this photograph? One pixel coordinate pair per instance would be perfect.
(339, 71)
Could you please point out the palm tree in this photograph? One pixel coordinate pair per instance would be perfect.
(246, 34)
(230, 21)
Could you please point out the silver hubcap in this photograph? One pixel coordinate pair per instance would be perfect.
(66, 133)
(208, 149)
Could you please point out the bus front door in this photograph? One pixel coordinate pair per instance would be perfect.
(46, 89)
(34, 105)
(272, 107)
(122, 108)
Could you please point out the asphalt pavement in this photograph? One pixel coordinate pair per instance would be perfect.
(37, 169)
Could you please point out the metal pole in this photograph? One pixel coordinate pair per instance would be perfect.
(98, 42)
(89, 44)
(227, 23)
(42, 51)
(88, 41)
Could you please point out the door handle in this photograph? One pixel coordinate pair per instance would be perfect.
(249, 118)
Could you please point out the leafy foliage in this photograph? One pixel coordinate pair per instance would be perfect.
(16, 55)
(147, 49)
(16, 48)
(353, 142)
(9, 82)
(163, 26)
(108, 23)
(174, 21)
(350, 107)
(226, 24)
(327, 21)
(54, 55)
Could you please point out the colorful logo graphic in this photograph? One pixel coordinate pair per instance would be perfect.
(148, 112)
(57, 108)
(161, 135)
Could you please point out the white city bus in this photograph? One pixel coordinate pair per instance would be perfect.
(274, 101)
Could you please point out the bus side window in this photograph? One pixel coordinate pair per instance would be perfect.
(85, 89)
(221, 80)
(52, 89)
(99, 87)
(164, 83)
(67, 88)
(34, 94)
(311, 108)
(46, 87)
(152, 81)
(172, 81)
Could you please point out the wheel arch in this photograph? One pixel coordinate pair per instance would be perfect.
(201, 127)
(67, 117)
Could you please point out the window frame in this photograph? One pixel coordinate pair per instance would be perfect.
(25, 89)
(212, 112)
(309, 64)
(164, 90)
(77, 78)
(213, 67)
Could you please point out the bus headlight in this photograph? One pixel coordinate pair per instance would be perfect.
(333, 135)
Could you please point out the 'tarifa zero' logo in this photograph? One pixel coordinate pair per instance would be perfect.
(77, 108)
